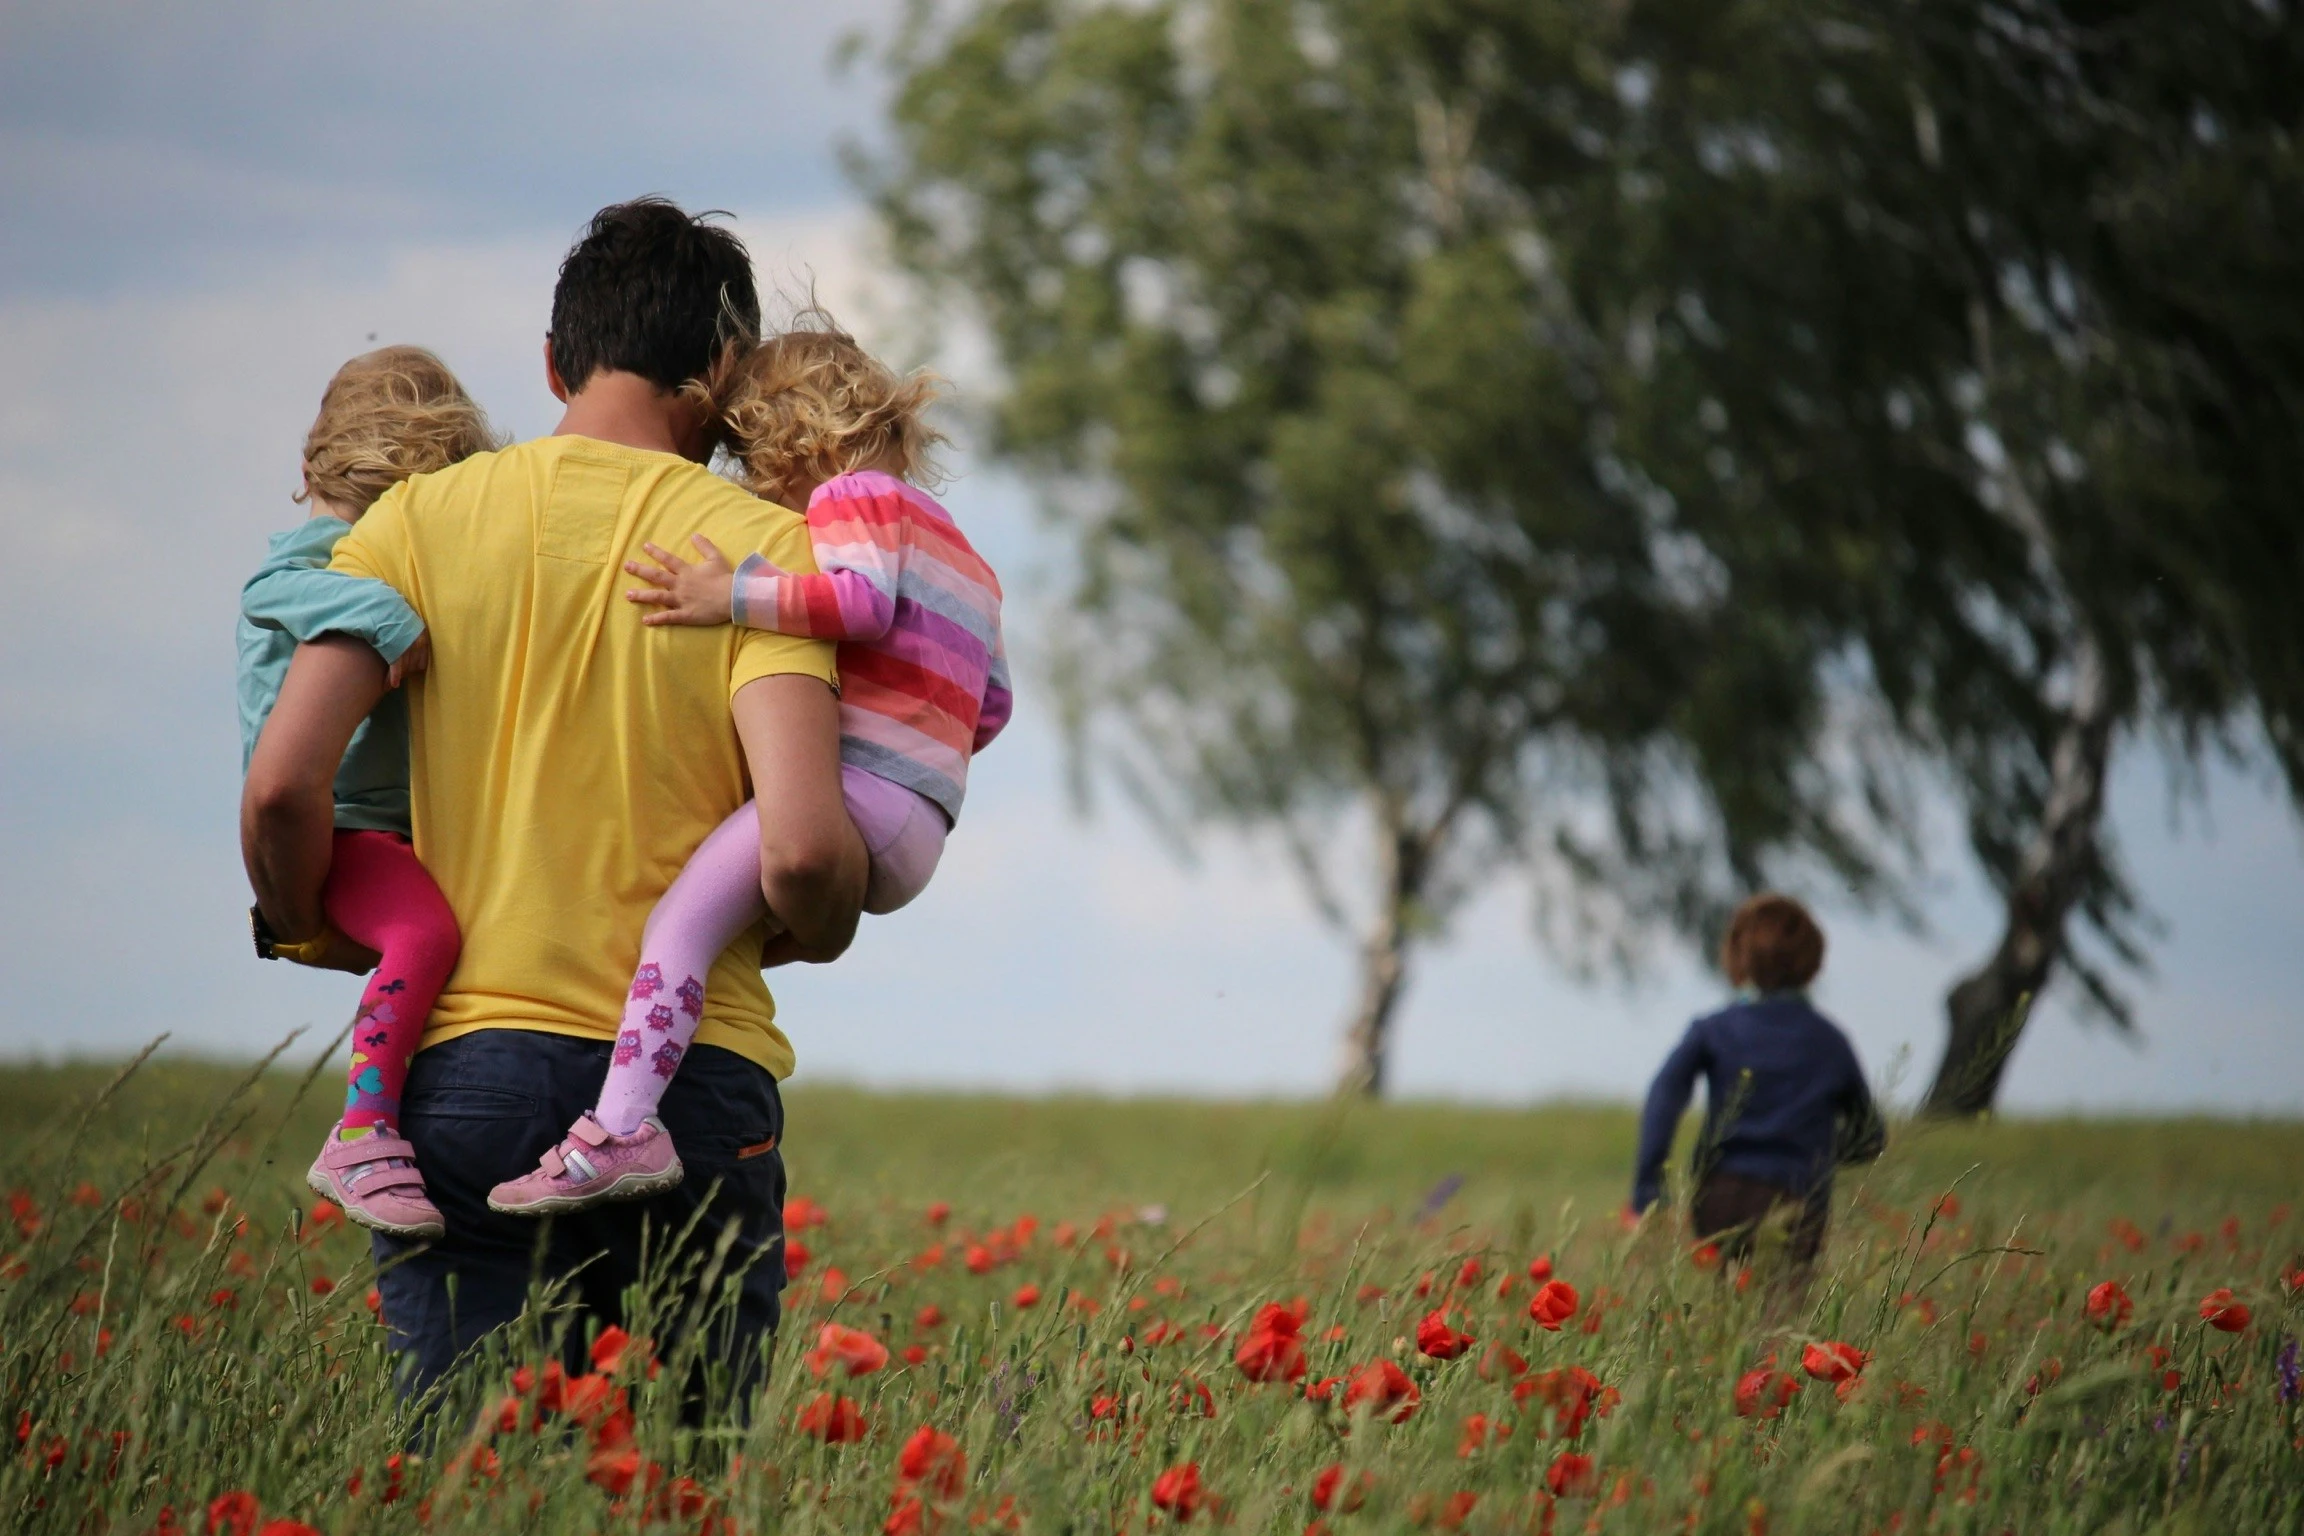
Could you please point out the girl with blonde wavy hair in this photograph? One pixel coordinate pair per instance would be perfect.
(385, 416)
(814, 421)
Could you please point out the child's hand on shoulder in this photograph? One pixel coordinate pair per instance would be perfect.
(684, 591)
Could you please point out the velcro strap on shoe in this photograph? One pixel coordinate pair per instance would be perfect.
(588, 1131)
(554, 1164)
(370, 1178)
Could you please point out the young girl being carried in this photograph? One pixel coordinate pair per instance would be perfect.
(385, 416)
(818, 423)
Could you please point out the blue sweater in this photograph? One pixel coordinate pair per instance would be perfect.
(1785, 1099)
(294, 597)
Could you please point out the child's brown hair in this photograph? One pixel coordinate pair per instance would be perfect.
(1772, 944)
(386, 415)
(809, 404)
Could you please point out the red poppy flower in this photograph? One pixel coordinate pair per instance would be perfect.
(1705, 1256)
(1439, 1341)
(1540, 1268)
(233, 1514)
(1331, 1493)
(1457, 1510)
(1468, 1275)
(978, 1259)
(939, 1213)
(1499, 1360)
(1385, 1389)
(929, 1316)
(590, 1398)
(1178, 1491)
(1834, 1361)
(287, 1528)
(608, 1349)
(1476, 1427)
(2220, 1312)
(1571, 1475)
(1191, 1395)
(833, 1420)
(1323, 1390)
(2108, 1305)
(1273, 1347)
(1554, 1303)
(835, 1283)
(613, 1467)
(932, 1460)
(853, 1349)
(801, 1213)
(1026, 1295)
(1573, 1394)
(1764, 1393)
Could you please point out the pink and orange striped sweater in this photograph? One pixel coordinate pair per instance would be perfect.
(923, 674)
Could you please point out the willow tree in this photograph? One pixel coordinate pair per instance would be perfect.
(1325, 390)
(1607, 440)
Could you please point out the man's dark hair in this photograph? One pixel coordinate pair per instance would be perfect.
(651, 290)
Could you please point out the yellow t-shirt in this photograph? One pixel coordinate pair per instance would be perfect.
(566, 760)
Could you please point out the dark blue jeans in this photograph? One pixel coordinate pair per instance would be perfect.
(482, 1108)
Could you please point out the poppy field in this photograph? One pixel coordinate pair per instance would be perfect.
(1098, 1317)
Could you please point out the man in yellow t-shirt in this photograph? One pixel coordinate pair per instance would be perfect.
(565, 761)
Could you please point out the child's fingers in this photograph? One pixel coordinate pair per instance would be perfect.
(655, 597)
(665, 558)
(648, 573)
(711, 553)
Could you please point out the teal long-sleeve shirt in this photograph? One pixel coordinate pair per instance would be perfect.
(294, 597)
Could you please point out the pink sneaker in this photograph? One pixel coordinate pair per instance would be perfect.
(592, 1167)
(375, 1178)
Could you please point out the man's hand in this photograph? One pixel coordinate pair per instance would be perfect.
(288, 804)
(684, 592)
(812, 862)
(415, 659)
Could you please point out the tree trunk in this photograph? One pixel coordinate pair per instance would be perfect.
(1383, 964)
(1988, 1008)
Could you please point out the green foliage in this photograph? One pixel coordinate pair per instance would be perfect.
(1991, 1401)
(1311, 316)
(1612, 438)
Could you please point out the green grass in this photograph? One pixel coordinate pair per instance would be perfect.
(168, 1223)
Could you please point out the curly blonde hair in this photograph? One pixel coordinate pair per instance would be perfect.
(808, 404)
(386, 415)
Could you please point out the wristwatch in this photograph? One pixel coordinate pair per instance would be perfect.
(269, 947)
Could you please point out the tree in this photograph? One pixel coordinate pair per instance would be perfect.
(1330, 426)
(1607, 439)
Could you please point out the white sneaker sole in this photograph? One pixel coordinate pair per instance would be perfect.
(319, 1184)
(629, 1186)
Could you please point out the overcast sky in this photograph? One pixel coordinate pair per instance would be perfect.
(212, 207)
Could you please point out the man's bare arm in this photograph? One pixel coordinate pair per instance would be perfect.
(812, 862)
(288, 804)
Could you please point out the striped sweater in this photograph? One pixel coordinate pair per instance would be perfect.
(923, 673)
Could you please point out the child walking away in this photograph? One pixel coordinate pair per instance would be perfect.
(385, 416)
(1785, 1099)
(817, 423)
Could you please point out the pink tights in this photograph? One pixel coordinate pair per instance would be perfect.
(379, 894)
(716, 897)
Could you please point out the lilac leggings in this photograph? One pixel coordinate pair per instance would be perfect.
(716, 897)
